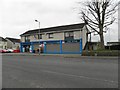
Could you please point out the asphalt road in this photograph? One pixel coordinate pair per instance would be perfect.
(59, 72)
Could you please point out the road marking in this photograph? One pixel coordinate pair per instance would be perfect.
(71, 75)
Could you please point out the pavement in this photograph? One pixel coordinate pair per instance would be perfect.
(48, 71)
(59, 55)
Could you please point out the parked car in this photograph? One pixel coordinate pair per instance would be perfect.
(3, 50)
(10, 50)
(16, 51)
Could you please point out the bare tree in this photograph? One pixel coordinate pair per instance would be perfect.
(99, 14)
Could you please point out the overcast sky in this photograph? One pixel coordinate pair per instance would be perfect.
(17, 16)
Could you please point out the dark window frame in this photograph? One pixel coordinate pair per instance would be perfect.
(27, 39)
(69, 34)
(50, 35)
(39, 36)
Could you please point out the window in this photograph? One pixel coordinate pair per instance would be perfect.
(50, 35)
(66, 34)
(27, 39)
(69, 34)
(39, 36)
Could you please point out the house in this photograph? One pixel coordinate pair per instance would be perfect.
(113, 45)
(57, 40)
(13, 43)
(3, 43)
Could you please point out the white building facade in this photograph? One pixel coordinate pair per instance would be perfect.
(3, 43)
(59, 39)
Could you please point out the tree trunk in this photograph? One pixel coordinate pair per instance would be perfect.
(102, 41)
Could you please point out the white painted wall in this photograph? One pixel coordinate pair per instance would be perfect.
(3, 45)
(60, 36)
(11, 45)
(84, 37)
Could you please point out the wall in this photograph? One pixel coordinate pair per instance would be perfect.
(84, 37)
(9, 44)
(77, 34)
(81, 34)
(3, 45)
(57, 36)
(60, 36)
(71, 47)
(16, 46)
(22, 39)
(53, 48)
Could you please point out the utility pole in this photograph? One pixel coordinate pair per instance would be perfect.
(39, 35)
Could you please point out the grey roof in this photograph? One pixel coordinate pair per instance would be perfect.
(114, 43)
(14, 40)
(2, 39)
(57, 28)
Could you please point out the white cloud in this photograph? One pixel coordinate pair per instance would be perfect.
(19, 15)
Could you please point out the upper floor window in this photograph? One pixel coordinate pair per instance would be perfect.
(27, 39)
(69, 34)
(39, 36)
(50, 35)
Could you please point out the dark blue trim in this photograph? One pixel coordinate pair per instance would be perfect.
(81, 45)
(51, 41)
(61, 46)
(26, 43)
(41, 42)
(21, 47)
(45, 48)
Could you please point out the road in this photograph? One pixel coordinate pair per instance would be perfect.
(59, 72)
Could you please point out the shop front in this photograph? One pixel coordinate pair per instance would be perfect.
(53, 47)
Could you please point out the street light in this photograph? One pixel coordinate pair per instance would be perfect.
(39, 35)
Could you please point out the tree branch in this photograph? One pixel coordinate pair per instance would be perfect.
(93, 28)
(90, 20)
(94, 15)
(109, 23)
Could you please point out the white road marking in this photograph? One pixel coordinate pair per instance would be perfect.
(71, 75)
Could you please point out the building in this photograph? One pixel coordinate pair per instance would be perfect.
(113, 45)
(56, 40)
(13, 43)
(3, 43)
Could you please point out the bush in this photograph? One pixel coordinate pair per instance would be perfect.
(101, 53)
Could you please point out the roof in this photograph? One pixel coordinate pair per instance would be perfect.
(114, 43)
(14, 40)
(2, 39)
(57, 28)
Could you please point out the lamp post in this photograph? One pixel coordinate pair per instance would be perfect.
(39, 35)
